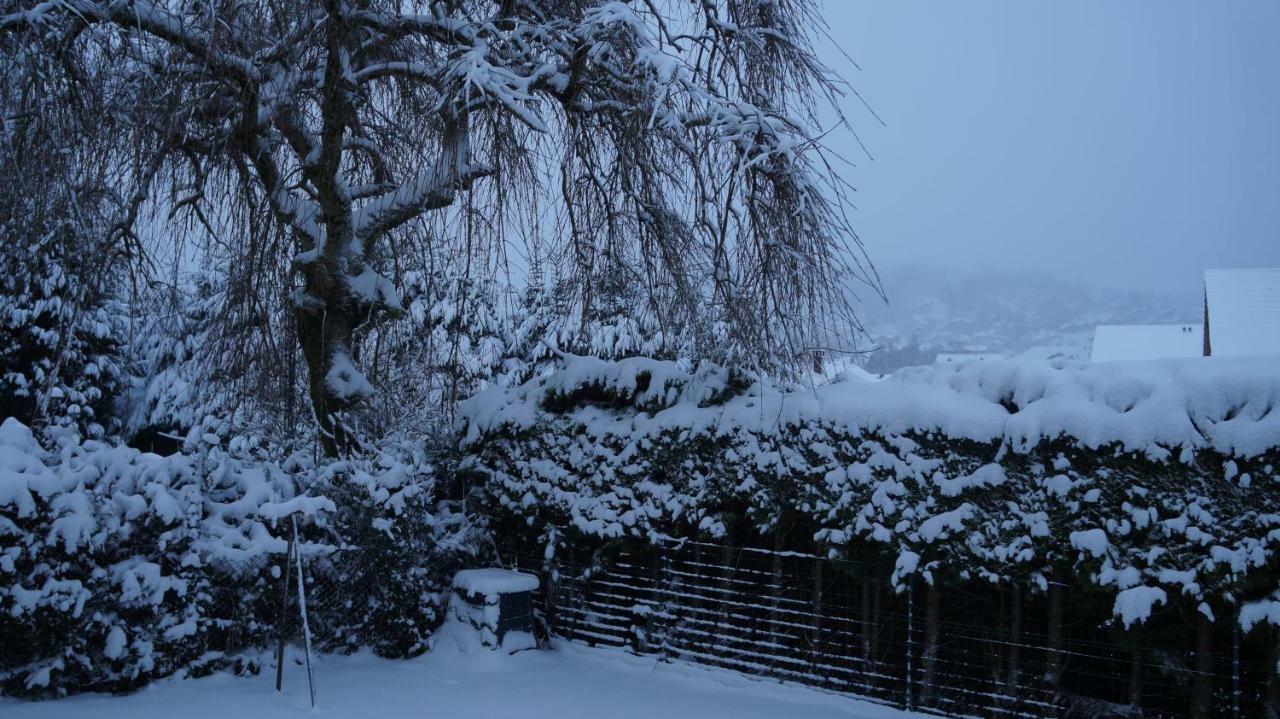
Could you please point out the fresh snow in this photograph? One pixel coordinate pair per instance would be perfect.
(1243, 308)
(1113, 343)
(1093, 541)
(1204, 402)
(569, 682)
(494, 581)
(1134, 605)
(345, 381)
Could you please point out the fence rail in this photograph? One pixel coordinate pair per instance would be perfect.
(962, 650)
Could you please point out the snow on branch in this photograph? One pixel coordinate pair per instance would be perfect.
(145, 16)
(432, 188)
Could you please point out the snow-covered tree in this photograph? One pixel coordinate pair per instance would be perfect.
(676, 140)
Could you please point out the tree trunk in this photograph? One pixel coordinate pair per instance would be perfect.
(322, 335)
(327, 315)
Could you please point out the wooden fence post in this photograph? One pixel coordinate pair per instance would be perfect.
(728, 561)
(302, 609)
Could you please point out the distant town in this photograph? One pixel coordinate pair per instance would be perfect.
(1240, 316)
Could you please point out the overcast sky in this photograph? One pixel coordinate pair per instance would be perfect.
(1119, 141)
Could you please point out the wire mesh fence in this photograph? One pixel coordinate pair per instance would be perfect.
(956, 650)
(324, 595)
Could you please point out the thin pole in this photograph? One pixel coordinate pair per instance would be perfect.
(1235, 668)
(302, 607)
(284, 612)
(910, 611)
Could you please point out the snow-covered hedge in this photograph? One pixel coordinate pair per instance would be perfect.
(118, 566)
(1154, 482)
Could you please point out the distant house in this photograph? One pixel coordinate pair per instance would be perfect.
(1241, 312)
(1052, 352)
(954, 357)
(1141, 342)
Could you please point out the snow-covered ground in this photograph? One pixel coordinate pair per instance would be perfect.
(566, 683)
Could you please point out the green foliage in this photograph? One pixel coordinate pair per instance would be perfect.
(118, 567)
(58, 340)
(595, 460)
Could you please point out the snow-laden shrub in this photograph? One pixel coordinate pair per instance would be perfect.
(118, 566)
(58, 338)
(1164, 475)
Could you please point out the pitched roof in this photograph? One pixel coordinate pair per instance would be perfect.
(1144, 342)
(944, 357)
(1048, 352)
(1244, 311)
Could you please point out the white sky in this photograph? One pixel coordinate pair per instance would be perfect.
(1130, 142)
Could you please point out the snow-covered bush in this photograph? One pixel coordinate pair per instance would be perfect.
(175, 383)
(397, 544)
(58, 337)
(118, 566)
(1151, 482)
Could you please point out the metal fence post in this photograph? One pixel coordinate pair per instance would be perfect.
(284, 613)
(1235, 667)
(910, 612)
(302, 607)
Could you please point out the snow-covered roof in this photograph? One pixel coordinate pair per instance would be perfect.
(1145, 342)
(1244, 311)
(1048, 352)
(951, 357)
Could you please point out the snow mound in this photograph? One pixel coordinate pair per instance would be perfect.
(1231, 405)
(1134, 605)
(487, 582)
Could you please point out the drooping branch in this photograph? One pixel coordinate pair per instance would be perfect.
(143, 16)
(666, 157)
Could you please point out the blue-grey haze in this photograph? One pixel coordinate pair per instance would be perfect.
(1127, 143)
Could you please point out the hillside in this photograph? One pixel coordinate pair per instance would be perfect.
(932, 310)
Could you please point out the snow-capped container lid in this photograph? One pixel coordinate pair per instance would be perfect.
(494, 581)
